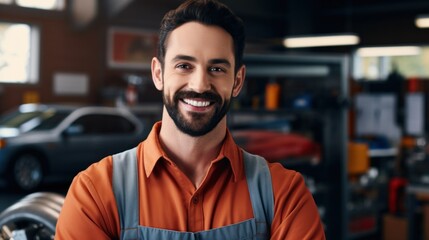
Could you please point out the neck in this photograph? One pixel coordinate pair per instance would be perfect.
(193, 155)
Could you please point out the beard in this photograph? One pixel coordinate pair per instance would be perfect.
(199, 123)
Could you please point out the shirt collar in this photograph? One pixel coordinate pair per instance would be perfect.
(153, 152)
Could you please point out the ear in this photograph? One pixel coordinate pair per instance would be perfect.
(239, 81)
(156, 68)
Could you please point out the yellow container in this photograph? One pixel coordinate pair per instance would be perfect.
(272, 96)
(358, 158)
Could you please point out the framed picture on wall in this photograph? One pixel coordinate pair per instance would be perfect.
(131, 48)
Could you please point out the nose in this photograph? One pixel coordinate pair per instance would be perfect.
(199, 81)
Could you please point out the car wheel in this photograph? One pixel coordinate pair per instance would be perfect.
(33, 217)
(27, 172)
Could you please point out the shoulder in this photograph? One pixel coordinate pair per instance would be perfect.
(95, 182)
(99, 172)
(280, 174)
(286, 182)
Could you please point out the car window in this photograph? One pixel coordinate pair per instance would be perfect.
(103, 124)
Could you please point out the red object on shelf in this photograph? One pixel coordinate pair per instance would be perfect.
(413, 85)
(396, 194)
(275, 146)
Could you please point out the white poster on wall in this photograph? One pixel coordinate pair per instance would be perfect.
(376, 116)
(71, 84)
(414, 114)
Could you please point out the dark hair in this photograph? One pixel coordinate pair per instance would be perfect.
(208, 12)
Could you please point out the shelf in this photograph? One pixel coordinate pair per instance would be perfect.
(371, 185)
(388, 152)
(368, 209)
(299, 162)
(422, 189)
(363, 234)
(277, 112)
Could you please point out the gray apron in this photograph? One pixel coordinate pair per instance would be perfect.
(125, 188)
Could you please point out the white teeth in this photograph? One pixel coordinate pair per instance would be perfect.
(196, 103)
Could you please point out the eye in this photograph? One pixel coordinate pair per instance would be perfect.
(183, 66)
(216, 69)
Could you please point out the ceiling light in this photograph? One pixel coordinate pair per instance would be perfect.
(422, 21)
(321, 40)
(388, 51)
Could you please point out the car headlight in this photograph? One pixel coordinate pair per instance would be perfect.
(2, 143)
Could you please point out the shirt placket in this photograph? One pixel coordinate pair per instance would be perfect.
(195, 212)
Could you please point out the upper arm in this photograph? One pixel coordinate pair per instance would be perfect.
(295, 212)
(89, 210)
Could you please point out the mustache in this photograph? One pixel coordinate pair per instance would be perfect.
(208, 95)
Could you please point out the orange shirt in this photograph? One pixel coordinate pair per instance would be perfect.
(168, 199)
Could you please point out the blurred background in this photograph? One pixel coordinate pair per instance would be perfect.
(336, 90)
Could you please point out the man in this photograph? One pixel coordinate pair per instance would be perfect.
(188, 179)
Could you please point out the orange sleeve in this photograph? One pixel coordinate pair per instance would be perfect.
(89, 210)
(295, 212)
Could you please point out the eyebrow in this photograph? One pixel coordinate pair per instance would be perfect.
(220, 61)
(184, 57)
(193, 59)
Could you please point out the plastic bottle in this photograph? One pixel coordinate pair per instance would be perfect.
(272, 95)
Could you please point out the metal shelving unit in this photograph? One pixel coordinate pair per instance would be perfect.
(373, 192)
(324, 80)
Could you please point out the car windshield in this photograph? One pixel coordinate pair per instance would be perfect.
(16, 119)
(33, 120)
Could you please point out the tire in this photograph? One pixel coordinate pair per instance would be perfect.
(46, 196)
(35, 214)
(27, 172)
(52, 200)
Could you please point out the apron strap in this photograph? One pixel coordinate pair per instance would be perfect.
(258, 178)
(125, 189)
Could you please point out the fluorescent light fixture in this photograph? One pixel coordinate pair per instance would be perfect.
(321, 40)
(287, 71)
(388, 51)
(422, 21)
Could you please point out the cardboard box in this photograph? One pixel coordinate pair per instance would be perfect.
(394, 227)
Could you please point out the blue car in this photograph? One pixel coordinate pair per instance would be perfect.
(39, 143)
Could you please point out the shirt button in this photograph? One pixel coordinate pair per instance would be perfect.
(195, 200)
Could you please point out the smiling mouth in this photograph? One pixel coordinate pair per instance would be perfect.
(196, 103)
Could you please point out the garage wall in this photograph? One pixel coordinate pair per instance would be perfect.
(63, 49)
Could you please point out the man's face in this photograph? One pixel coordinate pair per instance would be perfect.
(198, 79)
